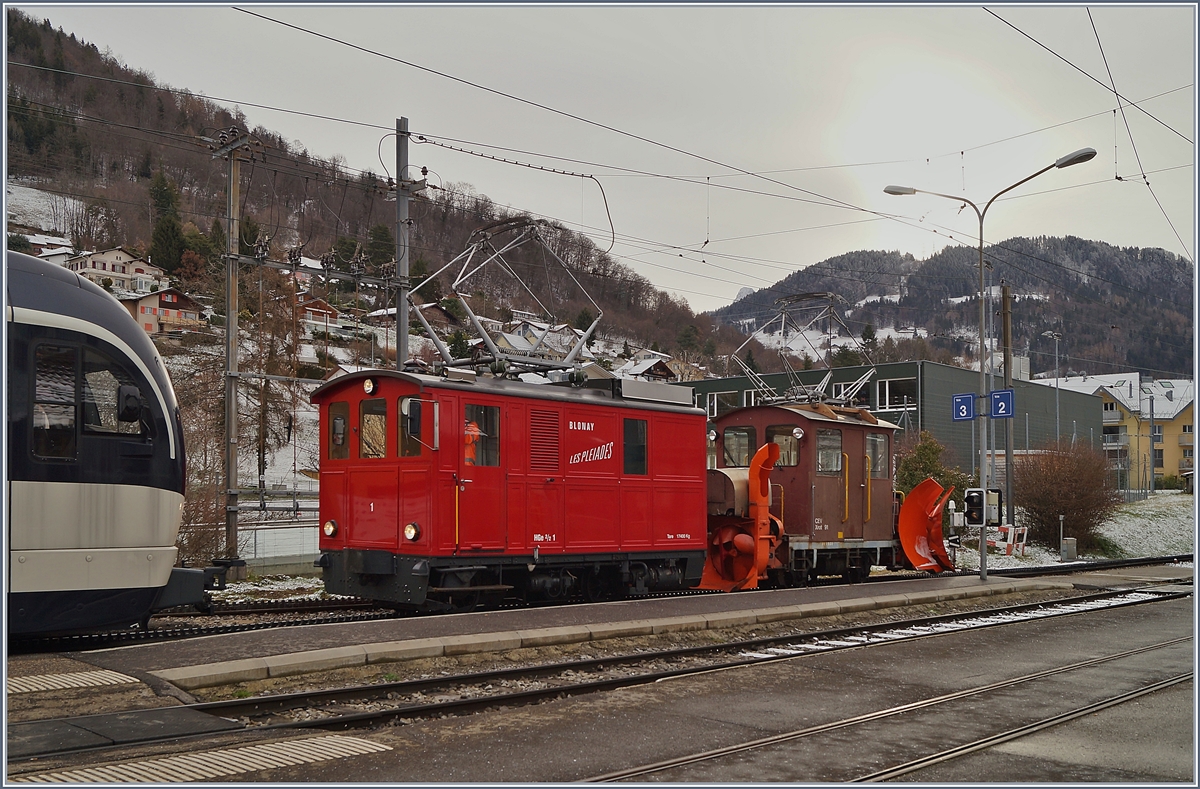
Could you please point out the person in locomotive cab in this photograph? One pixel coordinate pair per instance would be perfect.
(471, 436)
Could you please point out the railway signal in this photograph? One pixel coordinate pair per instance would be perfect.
(973, 504)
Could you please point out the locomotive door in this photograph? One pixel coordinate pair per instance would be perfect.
(481, 506)
(839, 486)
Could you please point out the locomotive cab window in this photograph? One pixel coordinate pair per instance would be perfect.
(54, 403)
(112, 401)
(877, 453)
(740, 446)
(481, 435)
(829, 451)
(372, 428)
(339, 420)
(410, 427)
(789, 445)
(635, 446)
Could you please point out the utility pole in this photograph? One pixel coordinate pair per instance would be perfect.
(231, 143)
(1151, 445)
(1006, 339)
(405, 189)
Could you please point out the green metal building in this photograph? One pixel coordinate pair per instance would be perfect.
(918, 396)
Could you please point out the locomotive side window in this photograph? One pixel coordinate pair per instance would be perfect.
(481, 435)
(103, 380)
(635, 446)
(54, 403)
(372, 428)
(877, 451)
(740, 446)
(829, 451)
(410, 427)
(789, 445)
(339, 418)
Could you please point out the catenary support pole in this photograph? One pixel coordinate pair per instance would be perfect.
(1006, 338)
(230, 149)
(402, 261)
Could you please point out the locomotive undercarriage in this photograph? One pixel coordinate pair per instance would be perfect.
(439, 584)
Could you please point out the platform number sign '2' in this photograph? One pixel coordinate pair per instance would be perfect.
(1002, 404)
(964, 407)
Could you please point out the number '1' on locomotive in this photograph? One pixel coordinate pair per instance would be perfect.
(440, 492)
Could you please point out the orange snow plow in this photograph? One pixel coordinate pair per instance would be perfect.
(920, 527)
(742, 533)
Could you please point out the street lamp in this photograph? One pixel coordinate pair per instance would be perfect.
(1077, 157)
(1057, 433)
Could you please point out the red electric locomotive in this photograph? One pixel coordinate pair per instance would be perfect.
(439, 492)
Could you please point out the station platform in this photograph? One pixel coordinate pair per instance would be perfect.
(257, 655)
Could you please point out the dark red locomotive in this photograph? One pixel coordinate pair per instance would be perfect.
(832, 491)
(437, 492)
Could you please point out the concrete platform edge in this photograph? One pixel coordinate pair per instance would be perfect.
(234, 671)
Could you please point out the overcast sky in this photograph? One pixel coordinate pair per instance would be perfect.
(826, 105)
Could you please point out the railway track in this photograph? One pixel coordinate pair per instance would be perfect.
(403, 702)
(359, 610)
(926, 761)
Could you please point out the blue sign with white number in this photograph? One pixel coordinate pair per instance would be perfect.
(964, 407)
(1002, 404)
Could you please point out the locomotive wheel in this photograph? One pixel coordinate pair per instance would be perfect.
(596, 588)
(464, 603)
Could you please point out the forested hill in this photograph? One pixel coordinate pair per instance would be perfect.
(84, 125)
(1115, 307)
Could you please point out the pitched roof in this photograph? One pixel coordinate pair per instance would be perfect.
(1171, 396)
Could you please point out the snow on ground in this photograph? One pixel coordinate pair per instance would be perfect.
(35, 208)
(1162, 525)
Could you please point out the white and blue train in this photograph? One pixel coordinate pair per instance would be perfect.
(96, 468)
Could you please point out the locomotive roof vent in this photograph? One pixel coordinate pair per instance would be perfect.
(453, 374)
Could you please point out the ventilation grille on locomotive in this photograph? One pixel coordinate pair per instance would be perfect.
(545, 435)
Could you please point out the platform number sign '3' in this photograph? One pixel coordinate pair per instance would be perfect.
(1002, 404)
(964, 407)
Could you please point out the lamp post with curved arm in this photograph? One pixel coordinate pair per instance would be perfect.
(1078, 157)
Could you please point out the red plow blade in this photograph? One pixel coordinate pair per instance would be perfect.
(921, 527)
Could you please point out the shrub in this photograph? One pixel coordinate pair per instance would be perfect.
(1171, 482)
(920, 459)
(1070, 482)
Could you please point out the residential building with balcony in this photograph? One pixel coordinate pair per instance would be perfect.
(163, 310)
(1148, 424)
(122, 270)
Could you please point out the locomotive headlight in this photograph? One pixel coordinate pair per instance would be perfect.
(797, 433)
(712, 435)
(330, 528)
(369, 385)
(412, 531)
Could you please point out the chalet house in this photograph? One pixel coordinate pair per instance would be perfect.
(314, 311)
(125, 270)
(439, 317)
(163, 310)
(647, 369)
(57, 255)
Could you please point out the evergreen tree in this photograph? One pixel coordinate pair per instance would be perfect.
(19, 243)
(868, 340)
(626, 351)
(167, 244)
(710, 348)
(750, 363)
(381, 245)
(459, 348)
(217, 238)
(164, 196)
